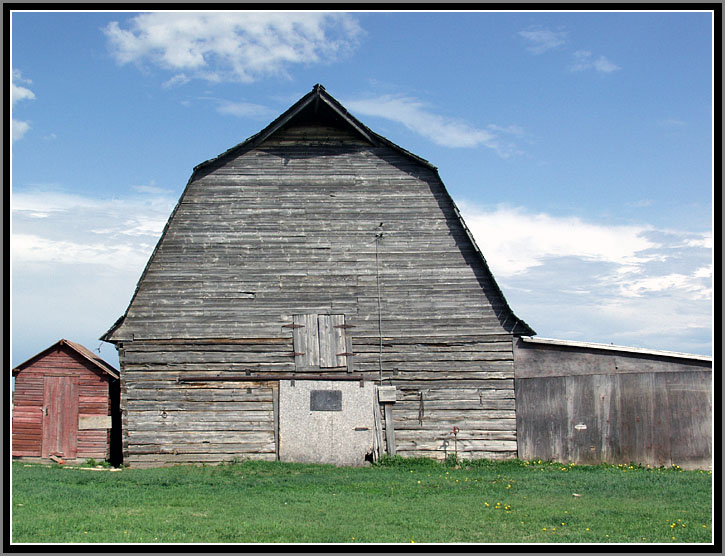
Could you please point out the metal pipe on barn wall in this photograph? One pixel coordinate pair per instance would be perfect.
(378, 239)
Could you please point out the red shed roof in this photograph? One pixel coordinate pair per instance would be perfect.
(80, 350)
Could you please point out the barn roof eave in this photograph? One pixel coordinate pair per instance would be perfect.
(108, 335)
(77, 348)
(519, 328)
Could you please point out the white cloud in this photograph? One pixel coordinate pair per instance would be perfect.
(696, 284)
(232, 46)
(28, 248)
(244, 109)
(578, 280)
(75, 262)
(178, 79)
(543, 40)
(583, 60)
(514, 241)
(61, 228)
(18, 93)
(21, 93)
(19, 129)
(705, 241)
(445, 131)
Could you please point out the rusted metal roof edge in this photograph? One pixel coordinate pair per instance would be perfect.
(612, 347)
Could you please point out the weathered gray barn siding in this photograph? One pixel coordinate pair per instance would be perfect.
(316, 215)
(591, 404)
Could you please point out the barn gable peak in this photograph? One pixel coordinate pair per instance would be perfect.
(317, 106)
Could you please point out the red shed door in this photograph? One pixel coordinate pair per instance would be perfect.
(60, 416)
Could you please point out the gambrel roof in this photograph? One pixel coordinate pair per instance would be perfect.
(319, 107)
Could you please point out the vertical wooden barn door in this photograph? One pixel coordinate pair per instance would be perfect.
(60, 416)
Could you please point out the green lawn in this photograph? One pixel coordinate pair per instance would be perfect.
(402, 501)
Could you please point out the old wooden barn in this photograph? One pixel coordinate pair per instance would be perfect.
(316, 296)
(66, 405)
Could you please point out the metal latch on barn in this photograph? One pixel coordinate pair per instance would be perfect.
(294, 325)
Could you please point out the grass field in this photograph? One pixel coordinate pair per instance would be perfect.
(402, 501)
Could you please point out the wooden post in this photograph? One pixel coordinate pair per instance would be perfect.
(387, 397)
(275, 407)
(389, 429)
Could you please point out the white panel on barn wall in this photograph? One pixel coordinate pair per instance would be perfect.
(325, 421)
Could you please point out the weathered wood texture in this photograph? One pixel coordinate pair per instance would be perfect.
(165, 422)
(591, 406)
(282, 234)
(279, 231)
(51, 394)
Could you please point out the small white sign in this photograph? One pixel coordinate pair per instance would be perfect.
(386, 394)
(94, 422)
(580, 427)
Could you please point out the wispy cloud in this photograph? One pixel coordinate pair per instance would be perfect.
(540, 41)
(232, 46)
(516, 240)
(18, 93)
(672, 123)
(418, 117)
(75, 261)
(243, 109)
(585, 60)
(543, 40)
(53, 226)
(575, 279)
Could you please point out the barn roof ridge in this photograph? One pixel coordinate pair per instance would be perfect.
(80, 350)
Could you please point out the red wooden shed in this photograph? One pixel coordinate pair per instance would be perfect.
(66, 404)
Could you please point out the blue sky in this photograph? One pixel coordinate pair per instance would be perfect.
(577, 145)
